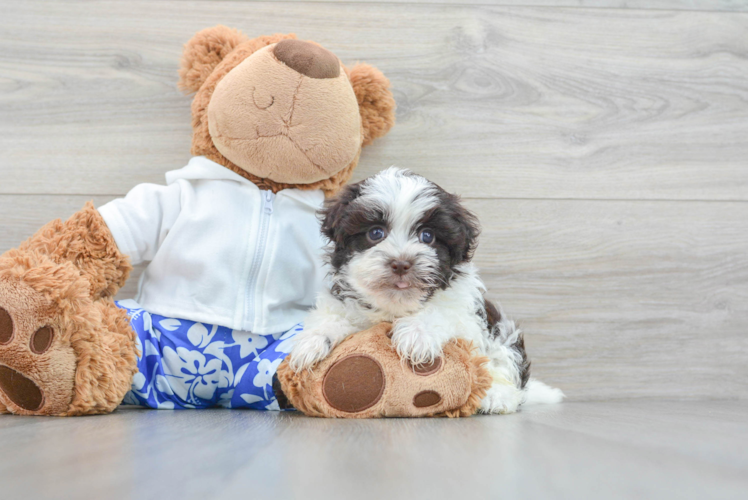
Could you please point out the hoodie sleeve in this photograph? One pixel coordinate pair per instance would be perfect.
(141, 220)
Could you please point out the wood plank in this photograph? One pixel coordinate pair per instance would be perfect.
(618, 299)
(631, 449)
(708, 5)
(497, 102)
(582, 450)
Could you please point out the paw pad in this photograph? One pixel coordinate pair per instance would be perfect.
(427, 369)
(354, 383)
(424, 399)
(19, 389)
(6, 327)
(41, 340)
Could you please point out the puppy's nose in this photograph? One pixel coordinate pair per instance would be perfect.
(400, 267)
(308, 59)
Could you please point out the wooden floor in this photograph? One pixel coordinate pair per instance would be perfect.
(603, 144)
(626, 449)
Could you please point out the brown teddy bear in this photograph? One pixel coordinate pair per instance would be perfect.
(235, 260)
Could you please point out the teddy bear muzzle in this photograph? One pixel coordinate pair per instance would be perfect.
(287, 113)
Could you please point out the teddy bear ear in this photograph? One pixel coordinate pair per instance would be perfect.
(203, 53)
(375, 101)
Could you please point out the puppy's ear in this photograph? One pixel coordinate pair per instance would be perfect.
(469, 229)
(203, 53)
(375, 101)
(334, 212)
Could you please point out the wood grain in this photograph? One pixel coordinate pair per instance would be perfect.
(494, 102)
(707, 5)
(603, 145)
(621, 299)
(583, 450)
(630, 449)
(618, 299)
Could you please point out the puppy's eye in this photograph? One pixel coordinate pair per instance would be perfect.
(376, 234)
(426, 236)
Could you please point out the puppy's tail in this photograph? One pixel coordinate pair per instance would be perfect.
(536, 392)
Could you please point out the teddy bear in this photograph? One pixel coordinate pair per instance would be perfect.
(235, 260)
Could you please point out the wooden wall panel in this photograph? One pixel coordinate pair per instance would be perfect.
(494, 102)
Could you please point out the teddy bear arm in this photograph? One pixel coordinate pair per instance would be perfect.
(85, 241)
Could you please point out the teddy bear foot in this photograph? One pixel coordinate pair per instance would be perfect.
(37, 367)
(364, 377)
(61, 352)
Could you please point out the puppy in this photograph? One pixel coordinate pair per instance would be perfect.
(400, 251)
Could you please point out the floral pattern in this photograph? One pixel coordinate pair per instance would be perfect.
(186, 364)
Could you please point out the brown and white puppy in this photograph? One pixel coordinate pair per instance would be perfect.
(400, 251)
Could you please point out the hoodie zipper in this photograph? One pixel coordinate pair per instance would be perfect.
(262, 236)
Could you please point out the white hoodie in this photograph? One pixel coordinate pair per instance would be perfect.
(222, 251)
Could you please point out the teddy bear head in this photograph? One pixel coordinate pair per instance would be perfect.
(282, 112)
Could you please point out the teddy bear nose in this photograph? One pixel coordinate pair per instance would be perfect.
(308, 59)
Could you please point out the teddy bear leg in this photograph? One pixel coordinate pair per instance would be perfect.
(113, 358)
(60, 352)
(63, 346)
(363, 377)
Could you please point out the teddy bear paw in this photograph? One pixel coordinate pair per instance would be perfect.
(37, 367)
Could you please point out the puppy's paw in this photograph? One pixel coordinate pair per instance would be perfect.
(501, 398)
(311, 347)
(414, 342)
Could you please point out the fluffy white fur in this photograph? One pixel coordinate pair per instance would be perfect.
(424, 316)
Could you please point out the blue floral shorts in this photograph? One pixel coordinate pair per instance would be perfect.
(185, 364)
